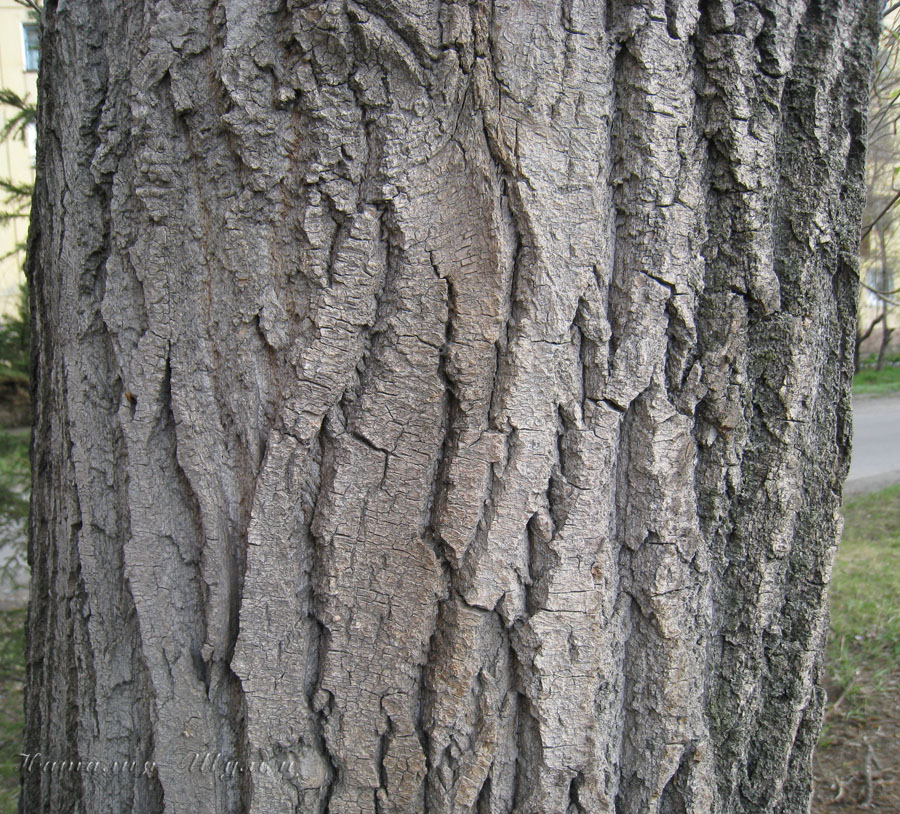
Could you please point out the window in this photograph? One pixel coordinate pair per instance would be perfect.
(32, 34)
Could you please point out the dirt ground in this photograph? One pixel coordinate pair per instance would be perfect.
(857, 765)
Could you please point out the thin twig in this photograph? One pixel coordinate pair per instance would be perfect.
(841, 790)
(870, 785)
(34, 5)
(881, 294)
(881, 214)
(864, 336)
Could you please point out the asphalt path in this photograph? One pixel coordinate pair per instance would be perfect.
(875, 462)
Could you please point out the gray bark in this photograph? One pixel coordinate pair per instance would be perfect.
(449, 398)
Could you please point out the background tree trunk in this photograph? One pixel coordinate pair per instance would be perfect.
(451, 399)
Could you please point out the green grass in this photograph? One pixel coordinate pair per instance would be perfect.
(877, 382)
(865, 598)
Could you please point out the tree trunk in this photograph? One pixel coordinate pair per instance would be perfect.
(885, 338)
(886, 283)
(439, 407)
(862, 336)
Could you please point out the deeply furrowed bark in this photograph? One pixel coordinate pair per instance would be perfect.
(440, 407)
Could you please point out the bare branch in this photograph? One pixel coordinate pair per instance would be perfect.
(880, 215)
(868, 332)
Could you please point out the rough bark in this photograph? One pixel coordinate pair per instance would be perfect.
(449, 398)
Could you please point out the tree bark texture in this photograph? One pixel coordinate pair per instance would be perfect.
(450, 399)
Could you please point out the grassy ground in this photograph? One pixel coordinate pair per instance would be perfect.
(871, 382)
(859, 752)
(865, 595)
(877, 382)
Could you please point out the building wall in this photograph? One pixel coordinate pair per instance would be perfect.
(16, 156)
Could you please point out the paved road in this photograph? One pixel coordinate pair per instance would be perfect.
(875, 463)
